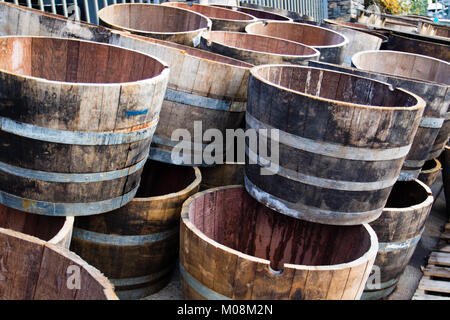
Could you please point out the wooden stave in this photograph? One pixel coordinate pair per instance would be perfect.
(54, 260)
(446, 177)
(430, 176)
(187, 38)
(293, 15)
(359, 27)
(217, 23)
(332, 53)
(307, 204)
(192, 240)
(441, 139)
(137, 271)
(390, 229)
(255, 57)
(228, 173)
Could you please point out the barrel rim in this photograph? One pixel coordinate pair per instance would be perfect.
(253, 19)
(344, 40)
(427, 202)
(419, 105)
(306, 56)
(157, 78)
(364, 258)
(399, 53)
(437, 167)
(194, 184)
(254, 9)
(103, 10)
(65, 231)
(355, 27)
(108, 288)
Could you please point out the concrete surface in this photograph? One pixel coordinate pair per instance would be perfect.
(408, 281)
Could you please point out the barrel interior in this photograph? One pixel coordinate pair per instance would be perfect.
(405, 194)
(335, 86)
(232, 218)
(74, 61)
(258, 43)
(429, 165)
(404, 65)
(213, 12)
(39, 226)
(303, 33)
(152, 18)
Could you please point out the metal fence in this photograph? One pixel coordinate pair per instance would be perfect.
(86, 10)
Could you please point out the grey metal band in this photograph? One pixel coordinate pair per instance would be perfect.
(204, 102)
(434, 123)
(74, 137)
(140, 280)
(401, 245)
(200, 288)
(331, 149)
(118, 240)
(71, 177)
(322, 182)
(407, 175)
(306, 212)
(65, 209)
(171, 143)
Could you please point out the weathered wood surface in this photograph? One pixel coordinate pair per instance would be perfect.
(136, 246)
(77, 121)
(229, 173)
(359, 27)
(260, 14)
(156, 21)
(189, 69)
(257, 49)
(329, 43)
(352, 132)
(399, 229)
(55, 230)
(446, 178)
(222, 18)
(441, 139)
(293, 15)
(425, 76)
(430, 172)
(233, 247)
(32, 269)
(432, 29)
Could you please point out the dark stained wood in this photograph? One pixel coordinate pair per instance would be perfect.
(330, 110)
(430, 172)
(155, 210)
(156, 21)
(441, 139)
(330, 43)
(222, 175)
(446, 178)
(256, 253)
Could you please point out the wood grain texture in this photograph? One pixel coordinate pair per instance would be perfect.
(441, 139)
(155, 211)
(254, 253)
(430, 172)
(222, 175)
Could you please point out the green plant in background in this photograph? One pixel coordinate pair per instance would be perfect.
(418, 7)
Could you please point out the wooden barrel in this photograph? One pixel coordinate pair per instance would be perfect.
(342, 142)
(399, 229)
(433, 29)
(260, 14)
(77, 120)
(425, 76)
(430, 172)
(329, 43)
(441, 139)
(226, 174)
(257, 49)
(446, 178)
(136, 246)
(56, 230)
(222, 18)
(233, 247)
(33, 269)
(360, 27)
(156, 21)
(293, 15)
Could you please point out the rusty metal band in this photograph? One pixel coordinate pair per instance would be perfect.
(65, 208)
(321, 182)
(71, 177)
(199, 287)
(433, 123)
(306, 212)
(75, 137)
(330, 149)
(119, 240)
(401, 245)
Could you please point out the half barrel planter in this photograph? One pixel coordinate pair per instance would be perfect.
(339, 142)
(33, 269)
(425, 76)
(77, 119)
(222, 18)
(156, 21)
(399, 229)
(441, 139)
(136, 246)
(55, 230)
(430, 172)
(233, 247)
(260, 14)
(256, 49)
(330, 43)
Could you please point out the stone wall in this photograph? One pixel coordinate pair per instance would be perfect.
(343, 8)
